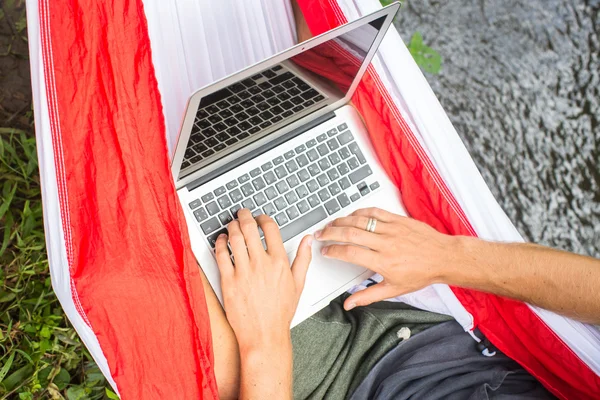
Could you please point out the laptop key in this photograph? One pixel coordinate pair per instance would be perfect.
(355, 197)
(292, 181)
(343, 200)
(289, 154)
(287, 114)
(225, 218)
(207, 197)
(236, 195)
(312, 185)
(324, 164)
(200, 214)
(282, 187)
(344, 183)
(270, 177)
(321, 137)
(291, 197)
(255, 214)
(219, 191)
(219, 147)
(331, 132)
(334, 158)
(342, 127)
(278, 160)
(276, 119)
(291, 166)
(360, 174)
(195, 204)
(271, 193)
(302, 191)
(303, 206)
(224, 202)
(269, 209)
(332, 144)
(303, 223)
(281, 219)
(260, 199)
(265, 124)
(234, 210)
(266, 166)
(332, 206)
(280, 203)
(323, 194)
(212, 208)
(353, 163)
(249, 204)
(300, 149)
(292, 213)
(314, 169)
(280, 172)
(345, 137)
(297, 109)
(302, 160)
(313, 200)
(333, 174)
(354, 149)
(311, 143)
(255, 172)
(244, 178)
(247, 190)
(231, 141)
(374, 185)
(312, 155)
(210, 226)
(322, 149)
(212, 239)
(303, 175)
(343, 168)
(334, 189)
(323, 180)
(259, 184)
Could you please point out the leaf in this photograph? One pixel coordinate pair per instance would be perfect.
(76, 393)
(18, 377)
(7, 200)
(62, 379)
(6, 366)
(6, 297)
(111, 395)
(25, 396)
(425, 57)
(8, 222)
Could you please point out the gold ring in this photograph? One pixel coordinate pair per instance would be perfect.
(371, 224)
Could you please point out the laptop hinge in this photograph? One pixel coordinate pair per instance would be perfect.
(257, 152)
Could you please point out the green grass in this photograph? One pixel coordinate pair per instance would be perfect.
(41, 356)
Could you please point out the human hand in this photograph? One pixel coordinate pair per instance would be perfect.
(260, 292)
(407, 253)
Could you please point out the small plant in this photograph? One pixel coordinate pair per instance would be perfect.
(427, 58)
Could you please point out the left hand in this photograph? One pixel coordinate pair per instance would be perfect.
(260, 292)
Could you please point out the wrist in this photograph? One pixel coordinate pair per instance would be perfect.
(465, 266)
(279, 342)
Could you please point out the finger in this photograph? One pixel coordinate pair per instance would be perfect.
(272, 235)
(360, 222)
(352, 254)
(249, 228)
(377, 213)
(378, 292)
(301, 262)
(350, 235)
(223, 260)
(238, 245)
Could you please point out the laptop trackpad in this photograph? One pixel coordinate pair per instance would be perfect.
(326, 276)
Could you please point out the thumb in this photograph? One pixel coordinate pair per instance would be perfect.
(372, 294)
(301, 262)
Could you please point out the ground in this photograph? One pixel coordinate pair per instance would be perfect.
(41, 356)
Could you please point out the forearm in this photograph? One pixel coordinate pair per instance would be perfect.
(555, 280)
(267, 370)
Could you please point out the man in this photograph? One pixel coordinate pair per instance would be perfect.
(261, 291)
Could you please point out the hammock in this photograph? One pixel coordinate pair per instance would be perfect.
(110, 81)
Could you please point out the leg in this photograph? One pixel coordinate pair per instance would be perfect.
(225, 348)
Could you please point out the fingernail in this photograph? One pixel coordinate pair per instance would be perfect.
(309, 241)
(222, 235)
(350, 306)
(318, 233)
(324, 251)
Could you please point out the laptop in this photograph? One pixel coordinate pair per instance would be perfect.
(280, 138)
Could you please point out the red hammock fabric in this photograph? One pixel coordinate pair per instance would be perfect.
(134, 278)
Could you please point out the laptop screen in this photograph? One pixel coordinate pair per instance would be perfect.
(254, 107)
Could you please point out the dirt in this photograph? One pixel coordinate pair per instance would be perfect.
(15, 81)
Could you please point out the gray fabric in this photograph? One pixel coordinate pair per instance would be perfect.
(334, 350)
(444, 363)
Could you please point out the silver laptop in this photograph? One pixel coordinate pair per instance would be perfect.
(280, 138)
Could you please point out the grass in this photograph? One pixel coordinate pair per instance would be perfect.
(41, 355)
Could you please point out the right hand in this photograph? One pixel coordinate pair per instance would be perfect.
(408, 254)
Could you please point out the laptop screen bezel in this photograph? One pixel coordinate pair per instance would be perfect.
(194, 100)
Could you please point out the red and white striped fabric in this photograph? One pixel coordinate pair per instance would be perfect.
(110, 80)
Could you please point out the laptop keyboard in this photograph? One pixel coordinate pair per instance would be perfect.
(246, 108)
(298, 188)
